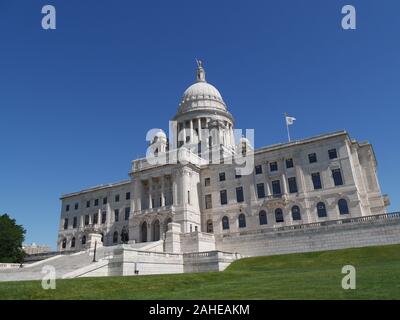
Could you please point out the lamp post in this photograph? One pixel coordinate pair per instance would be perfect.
(94, 253)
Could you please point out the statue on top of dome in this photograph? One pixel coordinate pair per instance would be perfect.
(201, 74)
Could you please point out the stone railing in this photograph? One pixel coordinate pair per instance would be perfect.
(364, 219)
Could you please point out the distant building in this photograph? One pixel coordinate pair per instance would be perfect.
(35, 248)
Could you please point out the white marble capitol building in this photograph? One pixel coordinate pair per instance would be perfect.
(314, 194)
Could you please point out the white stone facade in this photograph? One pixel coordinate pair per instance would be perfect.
(188, 196)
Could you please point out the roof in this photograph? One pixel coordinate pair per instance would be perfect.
(96, 188)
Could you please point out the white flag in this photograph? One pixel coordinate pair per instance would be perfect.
(290, 120)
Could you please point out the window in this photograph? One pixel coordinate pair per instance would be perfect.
(222, 176)
(103, 217)
(76, 206)
(242, 221)
(208, 201)
(296, 213)
(207, 182)
(332, 154)
(276, 188)
(96, 202)
(86, 220)
(260, 190)
(278, 215)
(88, 204)
(73, 242)
(127, 213)
(64, 243)
(237, 175)
(263, 217)
(65, 223)
(127, 196)
(239, 194)
(115, 237)
(188, 197)
(116, 215)
(273, 166)
(117, 198)
(209, 226)
(95, 218)
(292, 185)
(321, 209)
(223, 196)
(225, 223)
(67, 207)
(258, 169)
(289, 163)
(337, 177)
(343, 207)
(312, 157)
(316, 180)
(105, 200)
(75, 222)
(83, 239)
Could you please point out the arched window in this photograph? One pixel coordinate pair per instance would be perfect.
(144, 231)
(64, 243)
(102, 237)
(73, 242)
(124, 235)
(321, 209)
(83, 239)
(242, 221)
(155, 230)
(225, 223)
(343, 207)
(278, 215)
(210, 226)
(296, 213)
(263, 217)
(115, 237)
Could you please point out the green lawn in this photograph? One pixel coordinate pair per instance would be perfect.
(295, 276)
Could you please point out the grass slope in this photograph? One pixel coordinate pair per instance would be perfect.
(295, 276)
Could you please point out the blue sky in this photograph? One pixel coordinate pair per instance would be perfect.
(76, 103)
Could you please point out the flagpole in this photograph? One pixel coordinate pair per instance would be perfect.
(287, 127)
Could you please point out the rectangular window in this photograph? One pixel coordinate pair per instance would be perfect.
(316, 179)
(75, 222)
(67, 207)
(332, 153)
(127, 213)
(224, 197)
(103, 217)
(237, 175)
(65, 224)
(207, 182)
(105, 200)
(116, 215)
(260, 190)
(312, 157)
(95, 218)
(289, 163)
(222, 176)
(258, 169)
(128, 196)
(292, 185)
(273, 166)
(208, 201)
(88, 204)
(76, 206)
(117, 198)
(239, 194)
(96, 202)
(276, 188)
(188, 196)
(86, 220)
(337, 177)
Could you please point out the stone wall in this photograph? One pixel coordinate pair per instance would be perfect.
(329, 235)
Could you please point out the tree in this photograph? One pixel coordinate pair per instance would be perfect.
(11, 237)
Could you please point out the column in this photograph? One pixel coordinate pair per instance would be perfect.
(162, 191)
(199, 128)
(191, 131)
(150, 198)
(284, 181)
(137, 194)
(268, 188)
(184, 132)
